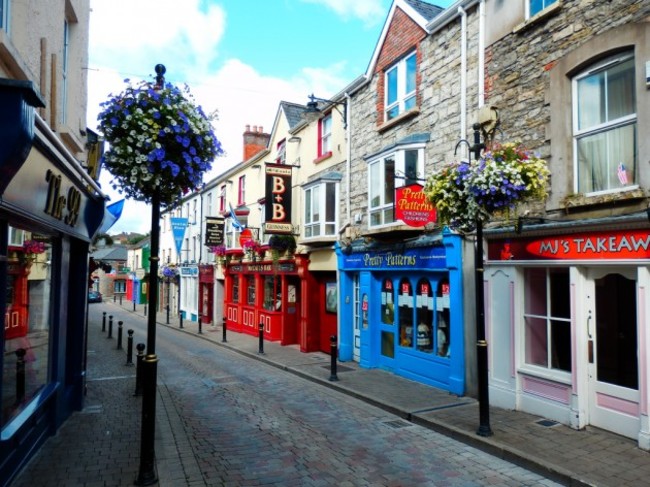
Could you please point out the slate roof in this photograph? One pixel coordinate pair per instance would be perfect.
(293, 112)
(113, 253)
(427, 10)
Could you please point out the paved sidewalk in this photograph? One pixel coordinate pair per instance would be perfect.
(103, 449)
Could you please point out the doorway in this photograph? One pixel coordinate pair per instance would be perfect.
(612, 349)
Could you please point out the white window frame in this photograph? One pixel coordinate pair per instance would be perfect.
(318, 228)
(605, 127)
(325, 134)
(232, 235)
(402, 96)
(538, 370)
(399, 178)
(281, 153)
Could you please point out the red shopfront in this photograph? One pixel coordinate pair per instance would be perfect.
(270, 294)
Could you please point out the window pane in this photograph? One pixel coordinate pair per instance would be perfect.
(411, 166)
(410, 73)
(409, 103)
(536, 341)
(559, 293)
(405, 301)
(600, 155)
(308, 198)
(27, 323)
(591, 106)
(535, 292)
(391, 86)
(561, 345)
(424, 311)
(330, 202)
(389, 180)
(375, 218)
(620, 90)
(387, 302)
(388, 344)
(375, 185)
(315, 204)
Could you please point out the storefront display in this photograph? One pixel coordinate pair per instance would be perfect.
(402, 310)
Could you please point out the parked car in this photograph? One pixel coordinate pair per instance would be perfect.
(94, 297)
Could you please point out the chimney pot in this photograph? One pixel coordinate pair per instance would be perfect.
(248, 128)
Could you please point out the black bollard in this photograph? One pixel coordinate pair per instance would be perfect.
(129, 348)
(119, 335)
(134, 306)
(120, 300)
(20, 375)
(333, 357)
(200, 326)
(138, 369)
(110, 326)
(145, 309)
(104, 321)
(167, 312)
(180, 315)
(114, 297)
(223, 331)
(261, 334)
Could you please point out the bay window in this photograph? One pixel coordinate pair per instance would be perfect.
(387, 172)
(605, 126)
(321, 208)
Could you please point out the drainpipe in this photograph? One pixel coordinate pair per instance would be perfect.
(463, 73)
(481, 54)
(348, 164)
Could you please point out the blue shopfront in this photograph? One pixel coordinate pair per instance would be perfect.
(401, 309)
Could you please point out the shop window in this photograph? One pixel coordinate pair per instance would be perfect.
(547, 317)
(424, 316)
(27, 323)
(443, 335)
(119, 287)
(605, 126)
(387, 302)
(235, 289)
(250, 290)
(405, 314)
(272, 293)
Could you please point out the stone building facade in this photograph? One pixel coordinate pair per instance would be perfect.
(571, 83)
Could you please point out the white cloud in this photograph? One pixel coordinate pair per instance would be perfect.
(369, 11)
(186, 40)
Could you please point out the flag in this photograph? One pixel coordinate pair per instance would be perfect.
(621, 173)
(112, 213)
(237, 225)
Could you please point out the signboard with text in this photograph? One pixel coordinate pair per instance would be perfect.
(412, 206)
(278, 199)
(214, 230)
(614, 245)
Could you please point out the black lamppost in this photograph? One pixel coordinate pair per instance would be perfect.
(484, 428)
(147, 474)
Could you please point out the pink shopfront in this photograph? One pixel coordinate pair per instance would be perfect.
(567, 323)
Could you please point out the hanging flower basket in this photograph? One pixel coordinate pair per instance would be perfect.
(160, 141)
(31, 249)
(505, 176)
(169, 271)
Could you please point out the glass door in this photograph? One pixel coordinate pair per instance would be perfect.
(613, 351)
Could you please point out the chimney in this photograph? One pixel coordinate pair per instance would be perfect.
(255, 141)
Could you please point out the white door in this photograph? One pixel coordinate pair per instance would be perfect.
(356, 306)
(612, 349)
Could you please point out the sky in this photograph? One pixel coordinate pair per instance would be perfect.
(239, 57)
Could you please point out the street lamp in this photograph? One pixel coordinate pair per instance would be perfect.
(312, 107)
(484, 428)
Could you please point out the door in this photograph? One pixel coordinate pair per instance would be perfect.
(356, 307)
(387, 326)
(612, 349)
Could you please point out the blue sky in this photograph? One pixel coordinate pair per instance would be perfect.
(240, 57)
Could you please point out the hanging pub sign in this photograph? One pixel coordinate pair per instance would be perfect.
(412, 206)
(213, 231)
(278, 199)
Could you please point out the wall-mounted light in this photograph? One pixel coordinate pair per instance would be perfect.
(295, 139)
(229, 181)
(256, 166)
(312, 107)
